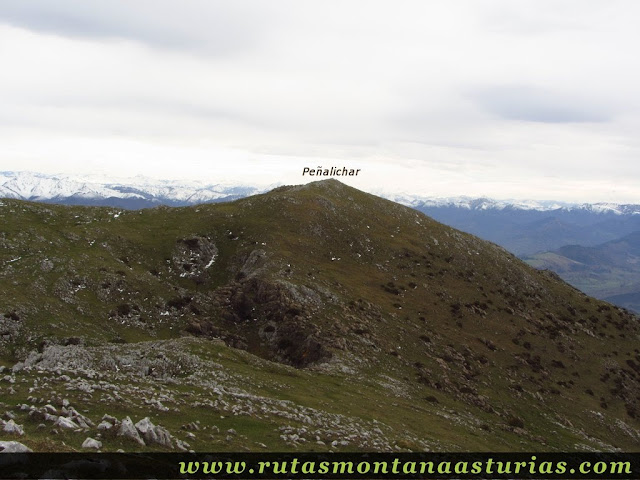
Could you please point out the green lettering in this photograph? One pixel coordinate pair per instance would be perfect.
(309, 468)
(324, 468)
(462, 467)
(263, 465)
(190, 467)
(348, 466)
(409, 467)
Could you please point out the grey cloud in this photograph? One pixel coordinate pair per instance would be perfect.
(210, 26)
(532, 104)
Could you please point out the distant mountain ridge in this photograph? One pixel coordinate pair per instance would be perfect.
(134, 193)
(546, 234)
(143, 192)
(529, 231)
(524, 227)
(484, 204)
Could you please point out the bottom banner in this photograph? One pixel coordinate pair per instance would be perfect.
(485, 465)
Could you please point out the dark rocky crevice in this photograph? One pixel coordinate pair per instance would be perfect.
(261, 317)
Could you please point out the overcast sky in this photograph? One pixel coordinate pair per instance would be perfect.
(499, 98)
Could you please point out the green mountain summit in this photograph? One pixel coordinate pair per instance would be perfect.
(313, 317)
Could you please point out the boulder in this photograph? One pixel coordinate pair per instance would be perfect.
(104, 425)
(13, 447)
(109, 418)
(128, 430)
(92, 443)
(67, 423)
(13, 428)
(154, 433)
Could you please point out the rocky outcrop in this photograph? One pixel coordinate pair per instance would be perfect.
(193, 256)
(270, 319)
(153, 433)
(128, 430)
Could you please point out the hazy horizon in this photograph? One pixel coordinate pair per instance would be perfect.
(142, 182)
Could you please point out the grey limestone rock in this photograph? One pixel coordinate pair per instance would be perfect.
(254, 263)
(154, 433)
(128, 430)
(104, 425)
(12, 428)
(110, 419)
(91, 443)
(182, 445)
(66, 423)
(13, 447)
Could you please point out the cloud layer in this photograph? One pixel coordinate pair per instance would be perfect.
(497, 98)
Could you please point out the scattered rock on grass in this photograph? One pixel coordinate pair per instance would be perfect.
(92, 443)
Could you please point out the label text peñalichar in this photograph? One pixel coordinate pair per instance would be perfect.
(330, 172)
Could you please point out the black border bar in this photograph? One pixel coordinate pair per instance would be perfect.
(357, 465)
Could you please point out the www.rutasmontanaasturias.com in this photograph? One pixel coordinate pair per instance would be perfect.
(330, 172)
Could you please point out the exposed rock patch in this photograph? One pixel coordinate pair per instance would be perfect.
(193, 256)
(269, 319)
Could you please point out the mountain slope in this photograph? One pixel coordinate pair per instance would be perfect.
(310, 317)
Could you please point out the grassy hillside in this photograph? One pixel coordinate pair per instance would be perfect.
(313, 317)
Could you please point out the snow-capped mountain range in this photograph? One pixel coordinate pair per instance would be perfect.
(137, 192)
(141, 192)
(480, 204)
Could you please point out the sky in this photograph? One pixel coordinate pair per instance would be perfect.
(497, 98)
